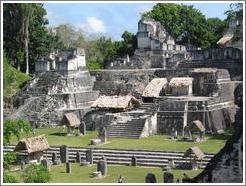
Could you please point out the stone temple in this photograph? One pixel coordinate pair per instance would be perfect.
(61, 84)
(163, 86)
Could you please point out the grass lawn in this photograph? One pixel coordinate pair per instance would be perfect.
(157, 142)
(81, 174)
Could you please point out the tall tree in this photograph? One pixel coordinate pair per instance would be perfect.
(25, 36)
(27, 12)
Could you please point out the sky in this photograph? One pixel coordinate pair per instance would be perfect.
(112, 19)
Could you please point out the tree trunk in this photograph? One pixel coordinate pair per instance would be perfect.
(26, 45)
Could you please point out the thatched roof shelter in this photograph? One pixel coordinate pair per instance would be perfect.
(154, 88)
(70, 120)
(194, 152)
(181, 82)
(33, 144)
(225, 39)
(204, 70)
(115, 102)
(196, 125)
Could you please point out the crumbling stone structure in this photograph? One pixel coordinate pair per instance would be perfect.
(61, 84)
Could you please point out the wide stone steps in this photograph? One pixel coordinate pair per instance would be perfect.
(123, 157)
(133, 126)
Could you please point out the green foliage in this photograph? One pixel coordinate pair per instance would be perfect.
(127, 46)
(17, 17)
(36, 174)
(93, 65)
(14, 127)
(187, 24)
(7, 178)
(8, 159)
(12, 78)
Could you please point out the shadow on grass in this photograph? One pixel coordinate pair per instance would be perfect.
(225, 136)
(58, 134)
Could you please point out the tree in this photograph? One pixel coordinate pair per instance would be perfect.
(25, 36)
(127, 46)
(217, 27)
(186, 24)
(14, 127)
(36, 174)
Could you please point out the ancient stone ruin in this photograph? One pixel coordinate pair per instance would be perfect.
(61, 84)
(163, 87)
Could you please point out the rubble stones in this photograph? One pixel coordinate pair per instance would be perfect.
(150, 178)
(168, 177)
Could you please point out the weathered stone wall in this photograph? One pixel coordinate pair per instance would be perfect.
(123, 82)
(49, 95)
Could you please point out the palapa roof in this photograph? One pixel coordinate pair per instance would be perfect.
(195, 152)
(115, 102)
(196, 124)
(70, 120)
(154, 88)
(33, 144)
(204, 70)
(225, 39)
(180, 81)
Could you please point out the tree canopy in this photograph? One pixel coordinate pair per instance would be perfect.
(25, 35)
(187, 24)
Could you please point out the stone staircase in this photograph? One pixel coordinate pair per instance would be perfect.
(150, 158)
(131, 124)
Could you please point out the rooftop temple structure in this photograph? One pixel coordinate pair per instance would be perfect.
(60, 85)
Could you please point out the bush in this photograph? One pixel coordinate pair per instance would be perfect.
(9, 178)
(14, 127)
(36, 174)
(8, 159)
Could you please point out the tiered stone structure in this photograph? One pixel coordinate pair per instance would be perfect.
(61, 84)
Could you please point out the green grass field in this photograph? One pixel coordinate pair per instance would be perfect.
(81, 174)
(56, 137)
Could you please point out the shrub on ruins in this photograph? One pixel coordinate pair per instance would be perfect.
(14, 127)
(187, 24)
(36, 174)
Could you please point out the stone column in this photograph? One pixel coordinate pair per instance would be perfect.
(167, 177)
(54, 157)
(68, 168)
(102, 166)
(134, 161)
(78, 157)
(69, 131)
(89, 156)
(82, 128)
(64, 154)
(103, 135)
